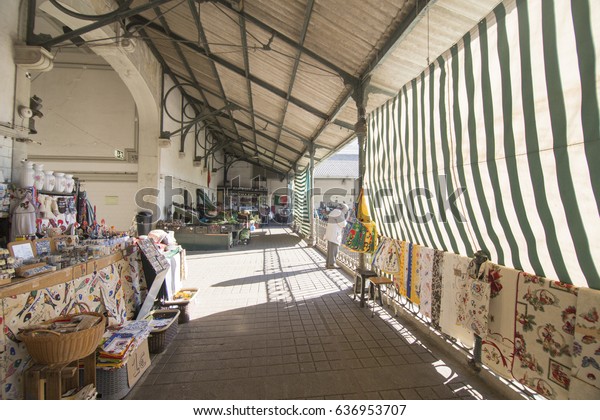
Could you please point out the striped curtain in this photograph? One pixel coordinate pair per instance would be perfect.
(495, 145)
(301, 197)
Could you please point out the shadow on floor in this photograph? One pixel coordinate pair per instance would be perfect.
(326, 347)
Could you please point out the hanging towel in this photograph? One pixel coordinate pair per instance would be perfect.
(544, 328)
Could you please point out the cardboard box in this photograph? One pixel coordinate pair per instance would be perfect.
(137, 363)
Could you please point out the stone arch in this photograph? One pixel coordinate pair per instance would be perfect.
(139, 71)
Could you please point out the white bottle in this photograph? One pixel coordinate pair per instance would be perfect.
(38, 177)
(59, 185)
(69, 183)
(50, 181)
(27, 179)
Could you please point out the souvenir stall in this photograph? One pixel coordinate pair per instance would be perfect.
(74, 298)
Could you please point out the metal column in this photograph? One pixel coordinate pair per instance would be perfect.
(309, 190)
(360, 97)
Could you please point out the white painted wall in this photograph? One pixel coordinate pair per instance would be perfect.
(118, 212)
(87, 112)
(243, 170)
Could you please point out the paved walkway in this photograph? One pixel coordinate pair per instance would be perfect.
(270, 323)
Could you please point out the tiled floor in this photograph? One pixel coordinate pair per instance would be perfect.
(270, 323)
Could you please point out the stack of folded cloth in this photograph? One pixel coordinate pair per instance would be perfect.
(119, 343)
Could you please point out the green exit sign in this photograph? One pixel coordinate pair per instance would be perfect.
(120, 154)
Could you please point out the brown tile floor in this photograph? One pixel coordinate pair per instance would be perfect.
(270, 323)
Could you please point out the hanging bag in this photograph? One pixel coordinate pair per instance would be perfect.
(362, 233)
(361, 237)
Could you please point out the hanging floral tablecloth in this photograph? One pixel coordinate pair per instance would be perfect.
(454, 284)
(474, 303)
(425, 273)
(497, 347)
(544, 328)
(436, 287)
(585, 382)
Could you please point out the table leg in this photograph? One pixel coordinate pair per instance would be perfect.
(362, 291)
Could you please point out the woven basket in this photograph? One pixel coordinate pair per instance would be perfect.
(182, 304)
(160, 339)
(52, 348)
(112, 384)
(184, 315)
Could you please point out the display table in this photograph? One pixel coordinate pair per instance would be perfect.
(102, 285)
(204, 241)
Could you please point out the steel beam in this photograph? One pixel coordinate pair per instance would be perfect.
(166, 69)
(299, 137)
(165, 25)
(244, 39)
(347, 77)
(204, 40)
(385, 50)
(233, 68)
(102, 22)
(307, 16)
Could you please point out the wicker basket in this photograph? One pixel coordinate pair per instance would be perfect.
(112, 384)
(183, 305)
(159, 339)
(52, 348)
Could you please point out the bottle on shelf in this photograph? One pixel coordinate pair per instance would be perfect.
(69, 183)
(38, 176)
(27, 175)
(60, 182)
(50, 181)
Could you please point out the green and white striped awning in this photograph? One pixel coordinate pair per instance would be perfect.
(510, 114)
(301, 197)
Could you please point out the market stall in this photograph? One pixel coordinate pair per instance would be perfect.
(54, 273)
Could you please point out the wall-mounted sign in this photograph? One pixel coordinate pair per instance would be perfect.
(120, 154)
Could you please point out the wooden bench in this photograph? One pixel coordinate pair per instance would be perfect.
(45, 382)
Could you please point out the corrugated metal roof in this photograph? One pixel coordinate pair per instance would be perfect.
(340, 165)
(290, 67)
